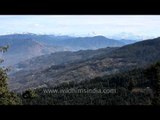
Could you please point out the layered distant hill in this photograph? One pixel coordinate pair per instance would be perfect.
(26, 46)
(60, 58)
(23, 49)
(85, 43)
(86, 65)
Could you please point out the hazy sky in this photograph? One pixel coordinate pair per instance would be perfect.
(81, 25)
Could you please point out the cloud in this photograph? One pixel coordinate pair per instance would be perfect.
(37, 25)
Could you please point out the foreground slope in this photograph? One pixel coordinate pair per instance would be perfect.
(135, 87)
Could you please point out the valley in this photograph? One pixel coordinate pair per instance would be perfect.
(80, 60)
(56, 68)
(40, 66)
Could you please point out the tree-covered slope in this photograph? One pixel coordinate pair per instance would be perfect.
(135, 87)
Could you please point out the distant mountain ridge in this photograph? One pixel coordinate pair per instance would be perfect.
(23, 49)
(27, 46)
(73, 43)
(84, 43)
(130, 36)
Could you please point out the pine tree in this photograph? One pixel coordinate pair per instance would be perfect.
(154, 75)
(6, 97)
(131, 85)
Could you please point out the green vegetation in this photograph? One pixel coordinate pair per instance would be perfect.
(135, 87)
(154, 74)
(6, 97)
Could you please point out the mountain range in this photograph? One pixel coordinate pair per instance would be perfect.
(93, 70)
(26, 46)
(84, 65)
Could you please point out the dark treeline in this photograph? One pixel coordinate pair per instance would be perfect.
(135, 87)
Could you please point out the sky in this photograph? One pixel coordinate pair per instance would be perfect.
(81, 25)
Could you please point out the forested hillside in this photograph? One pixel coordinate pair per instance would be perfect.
(136, 87)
